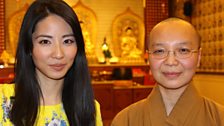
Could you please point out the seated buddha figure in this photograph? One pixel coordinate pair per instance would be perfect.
(89, 47)
(129, 45)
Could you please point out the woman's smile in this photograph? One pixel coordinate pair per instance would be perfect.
(57, 67)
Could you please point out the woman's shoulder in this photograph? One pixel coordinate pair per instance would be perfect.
(6, 93)
(5, 85)
(215, 109)
(7, 89)
(98, 114)
(212, 104)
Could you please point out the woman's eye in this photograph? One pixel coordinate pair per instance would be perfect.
(69, 41)
(159, 51)
(44, 42)
(184, 50)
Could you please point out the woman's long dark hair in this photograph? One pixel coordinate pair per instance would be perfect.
(77, 94)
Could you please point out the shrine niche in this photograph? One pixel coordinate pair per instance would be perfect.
(88, 22)
(128, 36)
(15, 22)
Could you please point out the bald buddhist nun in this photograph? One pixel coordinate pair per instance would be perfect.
(174, 55)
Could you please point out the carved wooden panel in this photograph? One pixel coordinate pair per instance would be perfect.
(122, 98)
(104, 95)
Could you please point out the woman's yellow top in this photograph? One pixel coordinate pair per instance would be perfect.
(53, 115)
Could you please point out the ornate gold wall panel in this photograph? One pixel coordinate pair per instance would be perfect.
(210, 24)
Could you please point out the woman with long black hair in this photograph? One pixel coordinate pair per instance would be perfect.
(52, 81)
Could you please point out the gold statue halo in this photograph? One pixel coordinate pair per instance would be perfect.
(14, 25)
(88, 22)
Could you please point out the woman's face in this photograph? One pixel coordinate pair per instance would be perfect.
(172, 72)
(54, 47)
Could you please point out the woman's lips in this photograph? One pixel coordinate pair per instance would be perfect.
(171, 75)
(57, 67)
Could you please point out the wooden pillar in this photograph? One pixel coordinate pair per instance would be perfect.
(2, 25)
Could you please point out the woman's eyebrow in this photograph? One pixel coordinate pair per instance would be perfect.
(185, 43)
(46, 36)
(68, 35)
(157, 44)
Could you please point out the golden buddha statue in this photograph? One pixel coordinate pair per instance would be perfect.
(129, 44)
(7, 58)
(89, 47)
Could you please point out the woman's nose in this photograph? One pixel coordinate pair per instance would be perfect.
(58, 51)
(171, 58)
